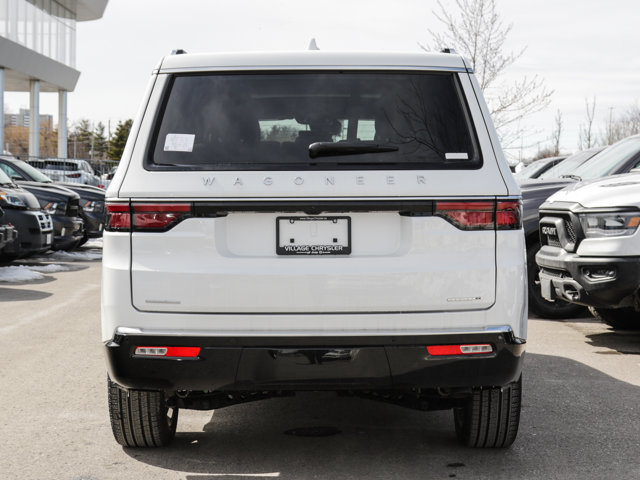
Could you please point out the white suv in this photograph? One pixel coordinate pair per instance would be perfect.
(590, 251)
(68, 170)
(282, 222)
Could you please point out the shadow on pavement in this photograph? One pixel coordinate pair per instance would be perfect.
(586, 317)
(22, 295)
(617, 341)
(572, 427)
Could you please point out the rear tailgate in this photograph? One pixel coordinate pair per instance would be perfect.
(398, 261)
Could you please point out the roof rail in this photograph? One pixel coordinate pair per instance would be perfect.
(448, 50)
(178, 51)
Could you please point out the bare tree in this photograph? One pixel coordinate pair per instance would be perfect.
(586, 138)
(544, 152)
(619, 127)
(479, 34)
(610, 129)
(556, 134)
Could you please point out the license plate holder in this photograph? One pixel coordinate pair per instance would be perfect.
(313, 235)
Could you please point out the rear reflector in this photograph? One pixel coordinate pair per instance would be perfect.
(439, 350)
(182, 352)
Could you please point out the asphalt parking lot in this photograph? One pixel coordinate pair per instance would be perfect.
(581, 409)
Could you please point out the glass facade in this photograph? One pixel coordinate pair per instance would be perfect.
(45, 26)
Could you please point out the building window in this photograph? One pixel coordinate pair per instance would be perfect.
(44, 26)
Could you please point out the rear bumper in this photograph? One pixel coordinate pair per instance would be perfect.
(567, 276)
(315, 363)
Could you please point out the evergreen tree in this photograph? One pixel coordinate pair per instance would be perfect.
(80, 139)
(99, 141)
(118, 140)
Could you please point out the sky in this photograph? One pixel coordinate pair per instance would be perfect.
(582, 49)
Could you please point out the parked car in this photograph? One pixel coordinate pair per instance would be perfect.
(8, 232)
(64, 207)
(107, 177)
(537, 168)
(91, 201)
(621, 157)
(569, 164)
(375, 249)
(22, 210)
(68, 170)
(590, 251)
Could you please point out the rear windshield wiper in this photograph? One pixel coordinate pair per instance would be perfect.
(573, 177)
(331, 149)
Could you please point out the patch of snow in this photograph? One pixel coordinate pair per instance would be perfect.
(21, 273)
(93, 243)
(51, 268)
(86, 255)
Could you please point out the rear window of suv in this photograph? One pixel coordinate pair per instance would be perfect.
(314, 120)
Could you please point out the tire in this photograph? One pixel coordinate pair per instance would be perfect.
(7, 258)
(618, 318)
(490, 416)
(140, 418)
(537, 303)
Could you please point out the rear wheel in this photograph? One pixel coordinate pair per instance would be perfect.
(140, 418)
(537, 303)
(490, 416)
(618, 318)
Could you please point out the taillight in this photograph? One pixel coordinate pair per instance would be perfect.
(481, 215)
(472, 215)
(509, 215)
(473, 349)
(179, 352)
(159, 216)
(118, 217)
(151, 217)
(73, 175)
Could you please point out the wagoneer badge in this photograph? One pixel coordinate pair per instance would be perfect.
(298, 180)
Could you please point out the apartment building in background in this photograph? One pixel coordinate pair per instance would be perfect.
(23, 119)
(38, 54)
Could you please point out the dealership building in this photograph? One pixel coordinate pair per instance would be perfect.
(38, 54)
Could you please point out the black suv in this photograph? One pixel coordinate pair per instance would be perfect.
(91, 199)
(22, 210)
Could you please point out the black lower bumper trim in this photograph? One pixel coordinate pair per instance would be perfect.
(580, 280)
(314, 363)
